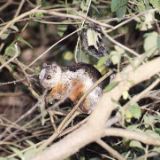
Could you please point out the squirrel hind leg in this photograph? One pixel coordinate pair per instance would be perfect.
(49, 100)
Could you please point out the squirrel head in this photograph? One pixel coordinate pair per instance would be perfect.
(50, 75)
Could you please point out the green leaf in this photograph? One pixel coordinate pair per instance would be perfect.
(115, 57)
(155, 3)
(141, 6)
(119, 6)
(111, 86)
(101, 64)
(23, 41)
(119, 49)
(11, 50)
(149, 120)
(84, 5)
(61, 29)
(102, 61)
(151, 43)
(149, 18)
(39, 16)
(115, 5)
(133, 111)
(125, 95)
(11, 29)
(128, 116)
(82, 56)
(136, 144)
(92, 37)
(121, 11)
(4, 35)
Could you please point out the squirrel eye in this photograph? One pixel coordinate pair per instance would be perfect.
(49, 77)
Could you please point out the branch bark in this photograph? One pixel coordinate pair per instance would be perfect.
(139, 136)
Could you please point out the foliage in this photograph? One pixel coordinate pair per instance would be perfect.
(129, 28)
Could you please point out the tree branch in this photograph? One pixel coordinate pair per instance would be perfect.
(113, 152)
(139, 136)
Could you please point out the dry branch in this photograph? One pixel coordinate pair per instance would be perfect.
(113, 152)
(140, 136)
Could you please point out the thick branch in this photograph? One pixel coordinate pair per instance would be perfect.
(140, 136)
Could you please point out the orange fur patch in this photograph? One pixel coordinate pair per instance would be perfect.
(76, 93)
(58, 89)
(77, 90)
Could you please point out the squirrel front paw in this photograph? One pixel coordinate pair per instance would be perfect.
(52, 99)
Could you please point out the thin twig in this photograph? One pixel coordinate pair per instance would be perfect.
(6, 5)
(40, 102)
(121, 45)
(109, 149)
(136, 98)
(19, 8)
(51, 47)
(128, 20)
(81, 27)
(10, 23)
(34, 93)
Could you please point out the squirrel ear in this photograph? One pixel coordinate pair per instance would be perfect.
(53, 65)
(44, 65)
